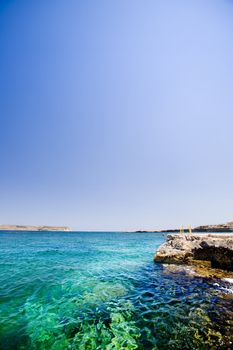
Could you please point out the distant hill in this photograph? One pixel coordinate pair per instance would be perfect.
(227, 227)
(33, 228)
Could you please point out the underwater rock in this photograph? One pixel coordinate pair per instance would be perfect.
(210, 250)
(198, 271)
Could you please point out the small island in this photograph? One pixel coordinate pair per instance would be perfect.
(33, 228)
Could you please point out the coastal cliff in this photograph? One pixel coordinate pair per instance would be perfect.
(213, 250)
(33, 228)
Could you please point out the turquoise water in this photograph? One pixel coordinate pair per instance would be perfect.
(103, 291)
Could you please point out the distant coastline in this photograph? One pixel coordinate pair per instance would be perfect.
(33, 228)
(227, 227)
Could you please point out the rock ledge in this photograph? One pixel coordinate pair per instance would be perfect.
(211, 250)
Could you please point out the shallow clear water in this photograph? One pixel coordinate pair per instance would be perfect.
(103, 291)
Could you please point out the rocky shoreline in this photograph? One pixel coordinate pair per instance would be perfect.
(205, 251)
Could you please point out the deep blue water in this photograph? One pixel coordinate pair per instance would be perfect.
(103, 291)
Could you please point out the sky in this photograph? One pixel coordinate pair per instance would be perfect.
(116, 115)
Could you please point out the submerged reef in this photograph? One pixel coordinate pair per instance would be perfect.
(209, 250)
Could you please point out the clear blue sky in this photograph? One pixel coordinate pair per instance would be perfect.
(116, 115)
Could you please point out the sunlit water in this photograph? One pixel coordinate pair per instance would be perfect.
(103, 291)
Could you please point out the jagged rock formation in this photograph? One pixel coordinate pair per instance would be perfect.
(211, 250)
(33, 228)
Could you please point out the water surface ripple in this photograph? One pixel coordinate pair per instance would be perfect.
(91, 291)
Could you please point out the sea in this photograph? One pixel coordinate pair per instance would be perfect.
(102, 291)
